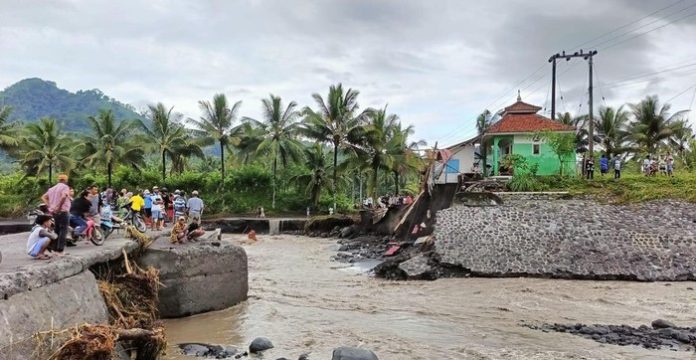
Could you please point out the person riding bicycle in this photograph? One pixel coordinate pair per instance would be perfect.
(78, 209)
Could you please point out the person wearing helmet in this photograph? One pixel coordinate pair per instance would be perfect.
(195, 207)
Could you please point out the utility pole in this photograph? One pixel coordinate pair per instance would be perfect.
(587, 56)
(552, 60)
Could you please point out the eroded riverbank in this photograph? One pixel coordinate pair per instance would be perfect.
(306, 303)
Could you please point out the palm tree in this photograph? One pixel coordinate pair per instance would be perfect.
(483, 122)
(165, 132)
(315, 162)
(278, 134)
(335, 122)
(379, 133)
(191, 147)
(652, 125)
(611, 129)
(682, 134)
(8, 131)
(405, 158)
(109, 143)
(581, 132)
(46, 148)
(217, 124)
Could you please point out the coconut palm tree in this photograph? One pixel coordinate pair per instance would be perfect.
(191, 147)
(405, 158)
(108, 143)
(46, 149)
(611, 129)
(580, 123)
(652, 125)
(316, 180)
(165, 132)
(217, 124)
(278, 134)
(8, 131)
(336, 123)
(379, 133)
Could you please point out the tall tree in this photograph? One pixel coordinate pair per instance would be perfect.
(165, 132)
(483, 122)
(379, 133)
(8, 131)
(404, 156)
(335, 122)
(316, 180)
(46, 149)
(278, 134)
(611, 129)
(580, 124)
(190, 148)
(652, 125)
(109, 144)
(217, 124)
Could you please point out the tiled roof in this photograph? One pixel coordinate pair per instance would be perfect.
(521, 107)
(526, 122)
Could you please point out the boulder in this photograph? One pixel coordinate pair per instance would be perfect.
(352, 353)
(662, 324)
(207, 350)
(260, 344)
(417, 267)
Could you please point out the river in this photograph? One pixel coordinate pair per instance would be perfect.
(306, 303)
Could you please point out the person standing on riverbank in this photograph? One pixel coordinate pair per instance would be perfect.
(58, 201)
(603, 165)
(195, 207)
(617, 167)
(669, 160)
(156, 209)
(147, 207)
(137, 202)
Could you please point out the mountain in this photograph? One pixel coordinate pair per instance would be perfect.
(32, 99)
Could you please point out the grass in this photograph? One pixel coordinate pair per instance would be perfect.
(631, 188)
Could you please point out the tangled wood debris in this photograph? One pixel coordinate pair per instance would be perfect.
(132, 301)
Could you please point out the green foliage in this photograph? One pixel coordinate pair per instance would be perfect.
(524, 177)
(561, 144)
(33, 99)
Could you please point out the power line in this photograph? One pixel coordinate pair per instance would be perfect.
(651, 30)
(629, 24)
(680, 93)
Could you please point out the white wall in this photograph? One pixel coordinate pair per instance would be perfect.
(465, 155)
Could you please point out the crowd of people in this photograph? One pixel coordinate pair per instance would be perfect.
(388, 200)
(650, 166)
(62, 210)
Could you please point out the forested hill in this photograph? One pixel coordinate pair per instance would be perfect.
(32, 99)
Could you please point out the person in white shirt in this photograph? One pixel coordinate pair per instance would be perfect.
(40, 237)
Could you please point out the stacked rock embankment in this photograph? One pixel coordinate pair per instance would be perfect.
(579, 239)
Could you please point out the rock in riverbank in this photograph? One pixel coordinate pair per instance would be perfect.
(672, 337)
(260, 344)
(353, 353)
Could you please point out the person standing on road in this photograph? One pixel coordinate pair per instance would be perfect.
(179, 205)
(58, 201)
(616, 162)
(147, 207)
(96, 202)
(195, 207)
(156, 209)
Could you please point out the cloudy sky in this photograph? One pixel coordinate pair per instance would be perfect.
(437, 64)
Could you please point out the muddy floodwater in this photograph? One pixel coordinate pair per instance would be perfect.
(306, 303)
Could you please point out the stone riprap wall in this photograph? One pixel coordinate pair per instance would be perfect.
(571, 239)
(533, 196)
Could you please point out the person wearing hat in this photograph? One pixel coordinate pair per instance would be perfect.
(58, 201)
(195, 207)
(147, 208)
(40, 238)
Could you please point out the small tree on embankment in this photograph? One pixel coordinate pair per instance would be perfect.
(562, 144)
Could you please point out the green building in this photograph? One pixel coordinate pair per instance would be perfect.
(517, 132)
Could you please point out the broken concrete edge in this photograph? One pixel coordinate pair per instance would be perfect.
(34, 276)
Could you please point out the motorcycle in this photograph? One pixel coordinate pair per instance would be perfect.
(134, 218)
(93, 233)
(41, 209)
(109, 226)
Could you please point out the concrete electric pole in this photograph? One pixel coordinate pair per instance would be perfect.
(587, 56)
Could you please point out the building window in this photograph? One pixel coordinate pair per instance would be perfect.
(535, 149)
(452, 166)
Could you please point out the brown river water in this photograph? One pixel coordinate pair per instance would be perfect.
(306, 303)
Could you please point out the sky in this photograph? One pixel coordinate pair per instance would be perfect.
(436, 64)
